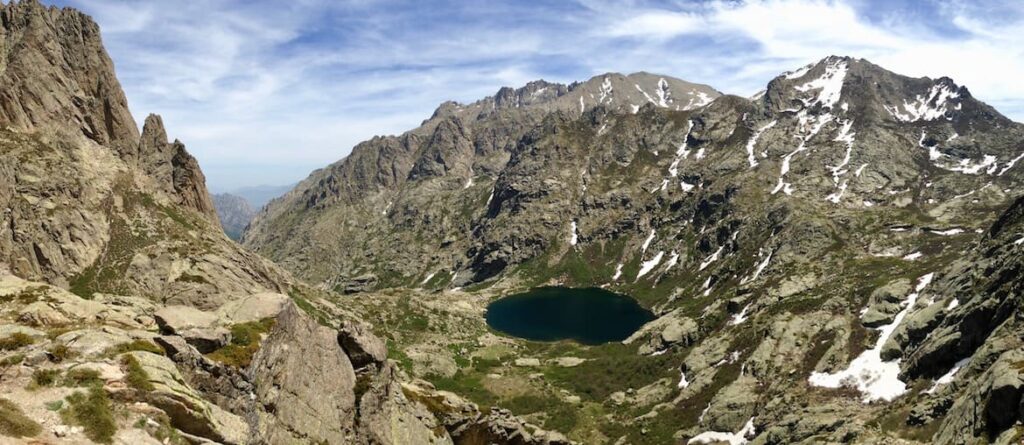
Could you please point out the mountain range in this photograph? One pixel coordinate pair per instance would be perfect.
(836, 259)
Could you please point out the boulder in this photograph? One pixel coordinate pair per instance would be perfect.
(173, 320)
(197, 327)
(306, 382)
(87, 342)
(670, 329)
(527, 362)
(252, 307)
(362, 347)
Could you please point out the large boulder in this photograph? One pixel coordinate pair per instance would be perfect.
(387, 417)
(199, 328)
(305, 381)
(361, 346)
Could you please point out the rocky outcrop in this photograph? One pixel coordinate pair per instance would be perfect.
(188, 410)
(361, 346)
(173, 169)
(57, 73)
(305, 383)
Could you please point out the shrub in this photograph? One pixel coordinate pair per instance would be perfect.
(59, 353)
(83, 377)
(245, 341)
(45, 377)
(12, 360)
(137, 376)
(134, 345)
(92, 411)
(14, 423)
(16, 340)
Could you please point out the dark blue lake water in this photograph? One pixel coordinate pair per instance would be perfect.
(590, 316)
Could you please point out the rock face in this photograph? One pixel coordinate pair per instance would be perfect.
(174, 170)
(46, 47)
(306, 381)
(234, 213)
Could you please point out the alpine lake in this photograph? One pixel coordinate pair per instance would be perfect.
(590, 316)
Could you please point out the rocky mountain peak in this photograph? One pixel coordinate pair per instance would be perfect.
(172, 169)
(535, 92)
(44, 47)
(847, 85)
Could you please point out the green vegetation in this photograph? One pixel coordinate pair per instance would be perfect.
(559, 416)
(163, 431)
(467, 385)
(611, 367)
(83, 377)
(137, 377)
(189, 278)
(131, 235)
(16, 340)
(14, 423)
(25, 296)
(245, 341)
(59, 352)
(12, 360)
(303, 303)
(92, 411)
(44, 377)
(134, 345)
(55, 405)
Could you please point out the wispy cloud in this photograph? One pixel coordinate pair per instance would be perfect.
(265, 91)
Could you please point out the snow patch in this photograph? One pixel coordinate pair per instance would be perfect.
(647, 242)
(760, 267)
(673, 259)
(913, 256)
(948, 377)
(618, 272)
(947, 232)
(428, 278)
(1010, 164)
(606, 91)
(740, 437)
(711, 259)
(753, 141)
(740, 317)
(874, 378)
(830, 85)
(683, 383)
(799, 72)
(575, 235)
(682, 153)
(648, 266)
(926, 108)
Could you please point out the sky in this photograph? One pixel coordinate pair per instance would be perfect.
(265, 91)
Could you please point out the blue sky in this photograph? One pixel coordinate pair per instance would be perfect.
(263, 92)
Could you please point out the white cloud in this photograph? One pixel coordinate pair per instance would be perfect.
(293, 86)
